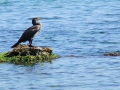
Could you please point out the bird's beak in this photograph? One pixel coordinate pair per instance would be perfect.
(38, 19)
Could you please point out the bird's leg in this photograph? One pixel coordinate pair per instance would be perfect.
(30, 42)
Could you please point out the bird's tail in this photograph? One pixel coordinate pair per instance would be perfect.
(15, 45)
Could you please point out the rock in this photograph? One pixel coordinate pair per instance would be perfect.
(26, 55)
(117, 53)
(24, 50)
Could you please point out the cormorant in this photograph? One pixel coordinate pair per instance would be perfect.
(29, 34)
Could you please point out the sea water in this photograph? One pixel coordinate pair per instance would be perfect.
(80, 31)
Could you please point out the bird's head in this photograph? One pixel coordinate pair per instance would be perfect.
(34, 21)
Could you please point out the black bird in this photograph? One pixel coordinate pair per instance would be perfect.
(29, 34)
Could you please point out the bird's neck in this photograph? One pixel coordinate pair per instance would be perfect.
(35, 23)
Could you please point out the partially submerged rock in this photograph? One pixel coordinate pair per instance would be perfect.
(112, 54)
(23, 54)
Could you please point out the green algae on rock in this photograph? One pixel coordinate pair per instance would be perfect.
(25, 55)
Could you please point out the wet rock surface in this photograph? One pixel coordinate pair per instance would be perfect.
(117, 53)
(24, 50)
(26, 55)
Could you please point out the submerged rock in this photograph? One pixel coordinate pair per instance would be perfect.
(117, 53)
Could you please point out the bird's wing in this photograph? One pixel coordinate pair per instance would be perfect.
(32, 30)
(29, 33)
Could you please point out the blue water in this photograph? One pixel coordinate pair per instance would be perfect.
(84, 28)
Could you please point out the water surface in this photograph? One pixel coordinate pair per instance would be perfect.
(86, 29)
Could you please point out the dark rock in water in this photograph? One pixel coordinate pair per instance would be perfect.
(112, 54)
(26, 55)
(24, 50)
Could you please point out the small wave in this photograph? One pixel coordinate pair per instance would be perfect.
(54, 17)
(47, 18)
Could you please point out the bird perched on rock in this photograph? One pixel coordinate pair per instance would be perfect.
(29, 34)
